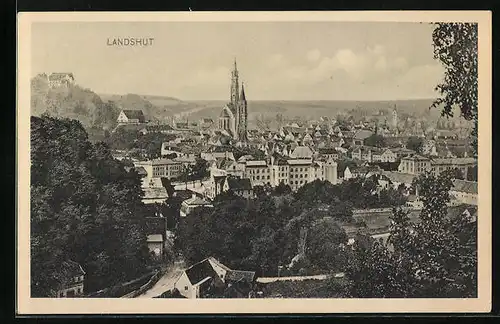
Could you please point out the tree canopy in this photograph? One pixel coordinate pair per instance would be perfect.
(84, 207)
(456, 47)
(434, 257)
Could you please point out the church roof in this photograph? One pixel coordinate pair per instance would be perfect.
(226, 112)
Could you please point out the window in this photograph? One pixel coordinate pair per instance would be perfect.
(268, 178)
(185, 287)
(258, 177)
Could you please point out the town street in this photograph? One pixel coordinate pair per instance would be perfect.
(166, 282)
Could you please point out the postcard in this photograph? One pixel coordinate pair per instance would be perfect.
(254, 162)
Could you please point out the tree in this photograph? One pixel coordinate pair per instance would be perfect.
(436, 257)
(415, 143)
(282, 189)
(324, 249)
(456, 46)
(375, 140)
(85, 207)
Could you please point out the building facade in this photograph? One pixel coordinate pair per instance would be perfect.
(414, 164)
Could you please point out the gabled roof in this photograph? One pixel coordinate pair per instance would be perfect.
(464, 186)
(362, 134)
(196, 201)
(200, 271)
(301, 152)
(399, 177)
(134, 114)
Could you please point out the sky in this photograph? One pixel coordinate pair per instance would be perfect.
(276, 60)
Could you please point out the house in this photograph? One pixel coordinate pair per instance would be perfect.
(328, 152)
(384, 155)
(259, 172)
(164, 129)
(60, 79)
(360, 171)
(188, 205)
(301, 152)
(396, 179)
(402, 152)
(362, 153)
(71, 280)
(131, 117)
(414, 164)
(240, 187)
(161, 168)
(464, 191)
(155, 244)
(439, 165)
(209, 278)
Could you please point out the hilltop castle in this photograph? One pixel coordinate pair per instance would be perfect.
(234, 116)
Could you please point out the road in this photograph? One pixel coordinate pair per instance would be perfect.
(166, 282)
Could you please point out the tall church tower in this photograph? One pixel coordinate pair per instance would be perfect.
(242, 116)
(235, 86)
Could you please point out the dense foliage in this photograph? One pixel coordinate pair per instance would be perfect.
(435, 257)
(415, 143)
(375, 140)
(84, 207)
(264, 233)
(149, 144)
(456, 47)
(72, 102)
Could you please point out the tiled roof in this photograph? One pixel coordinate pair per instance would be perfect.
(155, 193)
(362, 134)
(455, 161)
(299, 161)
(416, 157)
(301, 152)
(464, 186)
(239, 275)
(399, 177)
(259, 163)
(200, 271)
(164, 162)
(134, 114)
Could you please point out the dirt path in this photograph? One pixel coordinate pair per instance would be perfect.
(166, 282)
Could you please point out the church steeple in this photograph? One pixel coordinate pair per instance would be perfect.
(242, 96)
(235, 87)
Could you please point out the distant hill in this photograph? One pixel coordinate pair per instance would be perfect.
(72, 101)
(315, 109)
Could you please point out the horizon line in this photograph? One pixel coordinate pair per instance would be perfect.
(249, 100)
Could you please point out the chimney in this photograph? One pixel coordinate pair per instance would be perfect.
(193, 195)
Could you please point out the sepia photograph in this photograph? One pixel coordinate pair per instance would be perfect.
(313, 160)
